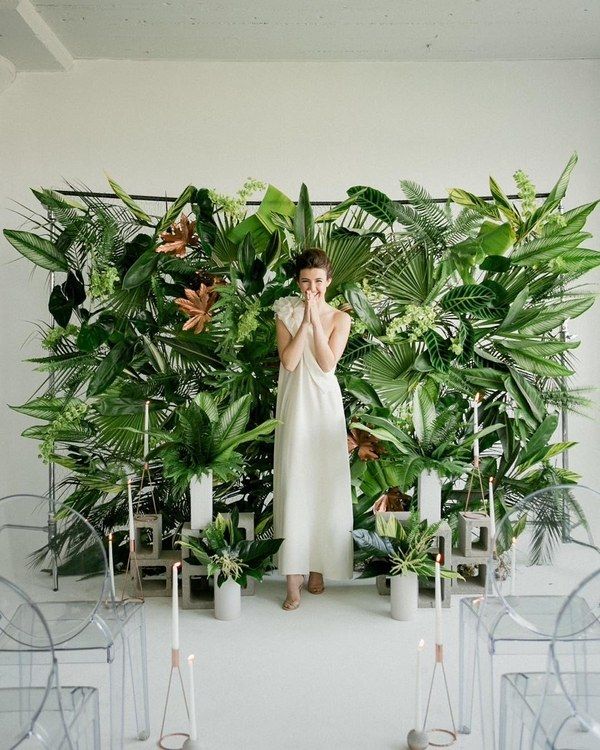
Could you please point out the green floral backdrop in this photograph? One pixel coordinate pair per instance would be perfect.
(448, 300)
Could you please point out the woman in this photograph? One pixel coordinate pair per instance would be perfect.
(312, 501)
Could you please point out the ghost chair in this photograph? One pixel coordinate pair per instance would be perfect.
(561, 707)
(47, 715)
(542, 546)
(59, 560)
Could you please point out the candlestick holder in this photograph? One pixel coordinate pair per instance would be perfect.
(132, 577)
(439, 661)
(476, 470)
(416, 739)
(187, 742)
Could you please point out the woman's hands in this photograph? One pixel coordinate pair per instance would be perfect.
(311, 308)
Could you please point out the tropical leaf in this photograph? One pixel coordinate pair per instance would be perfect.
(467, 298)
(304, 223)
(233, 421)
(38, 250)
(374, 202)
(175, 209)
(390, 372)
(138, 212)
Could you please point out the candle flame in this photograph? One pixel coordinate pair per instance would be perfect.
(191, 658)
(438, 558)
(421, 645)
(176, 565)
(110, 537)
(477, 397)
(128, 480)
(147, 403)
(492, 479)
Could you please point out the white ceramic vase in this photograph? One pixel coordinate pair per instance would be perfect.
(404, 595)
(228, 599)
(429, 493)
(201, 501)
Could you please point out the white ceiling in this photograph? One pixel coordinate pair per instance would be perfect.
(49, 35)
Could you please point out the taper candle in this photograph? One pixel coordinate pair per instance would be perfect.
(193, 727)
(418, 711)
(146, 428)
(492, 509)
(130, 506)
(111, 565)
(476, 428)
(175, 609)
(438, 602)
(513, 567)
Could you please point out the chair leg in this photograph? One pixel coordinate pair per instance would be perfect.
(137, 667)
(117, 702)
(467, 650)
(510, 731)
(484, 670)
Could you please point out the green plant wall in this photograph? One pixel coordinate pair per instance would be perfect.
(448, 300)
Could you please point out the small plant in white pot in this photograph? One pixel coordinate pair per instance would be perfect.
(230, 560)
(403, 552)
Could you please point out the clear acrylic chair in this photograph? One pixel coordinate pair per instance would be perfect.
(516, 615)
(59, 560)
(561, 707)
(46, 716)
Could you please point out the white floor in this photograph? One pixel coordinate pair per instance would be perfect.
(336, 673)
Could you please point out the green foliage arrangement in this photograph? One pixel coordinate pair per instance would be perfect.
(395, 548)
(224, 551)
(204, 439)
(447, 299)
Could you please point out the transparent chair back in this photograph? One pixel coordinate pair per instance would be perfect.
(575, 661)
(57, 558)
(24, 708)
(543, 545)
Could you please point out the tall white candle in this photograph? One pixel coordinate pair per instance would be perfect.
(111, 566)
(476, 429)
(492, 509)
(175, 609)
(418, 711)
(513, 567)
(130, 505)
(146, 427)
(438, 602)
(193, 727)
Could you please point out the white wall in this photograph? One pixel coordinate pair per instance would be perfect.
(156, 127)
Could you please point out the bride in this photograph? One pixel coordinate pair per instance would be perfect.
(312, 501)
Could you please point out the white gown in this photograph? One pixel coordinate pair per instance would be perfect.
(312, 500)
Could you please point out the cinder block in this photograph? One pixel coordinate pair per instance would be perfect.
(155, 573)
(151, 523)
(474, 537)
(473, 584)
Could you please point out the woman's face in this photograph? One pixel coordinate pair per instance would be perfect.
(313, 280)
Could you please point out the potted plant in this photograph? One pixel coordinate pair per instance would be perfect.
(403, 552)
(230, 559)
(201, 447)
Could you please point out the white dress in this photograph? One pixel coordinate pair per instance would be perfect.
(312, 500)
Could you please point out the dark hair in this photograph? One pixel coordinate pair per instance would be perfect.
(312, 257)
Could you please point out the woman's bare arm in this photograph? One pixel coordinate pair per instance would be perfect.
(290, 347)
(329, 351)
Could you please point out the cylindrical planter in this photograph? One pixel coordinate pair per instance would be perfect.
(429, 492)
(201, 501)
(404, 594)
(228, 599)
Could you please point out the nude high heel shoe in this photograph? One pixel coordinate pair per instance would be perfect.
(290, 606)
